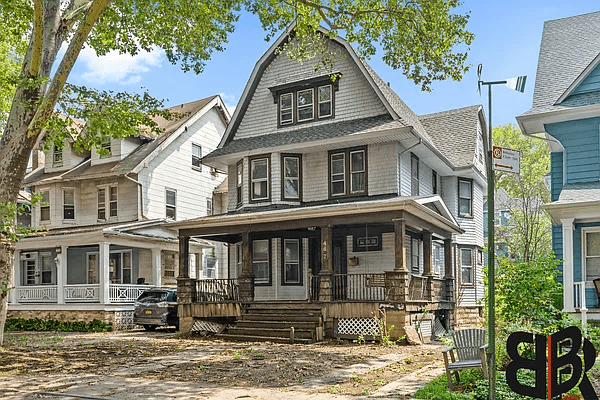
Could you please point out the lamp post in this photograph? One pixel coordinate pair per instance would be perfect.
(517, 84)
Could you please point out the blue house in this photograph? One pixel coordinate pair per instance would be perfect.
(566, 108)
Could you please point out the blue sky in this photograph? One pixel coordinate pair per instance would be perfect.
(507, 41)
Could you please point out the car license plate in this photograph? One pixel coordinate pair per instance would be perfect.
(148, 311)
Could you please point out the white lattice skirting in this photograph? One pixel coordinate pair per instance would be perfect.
(206, 326)
(124, 321)
(358, 326)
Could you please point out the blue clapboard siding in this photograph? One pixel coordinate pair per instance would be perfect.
(591, 298)
(580, 140)
(577, 254)
(557, 246)
(556, 174)
(591, 83)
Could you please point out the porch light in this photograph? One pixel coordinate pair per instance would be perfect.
(353, 261)
(58, 249)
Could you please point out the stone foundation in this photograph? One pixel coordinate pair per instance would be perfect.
(468, 317)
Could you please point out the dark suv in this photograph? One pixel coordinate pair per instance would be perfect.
(156, 307)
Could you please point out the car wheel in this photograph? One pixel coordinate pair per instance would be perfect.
(150, 327)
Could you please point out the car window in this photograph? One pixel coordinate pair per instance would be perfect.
(153, 297)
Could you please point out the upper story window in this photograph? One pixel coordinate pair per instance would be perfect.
(107, 202)
(259, 179)
(45, 205)
(480, 148)
(209, 207)
(325, 101)
(348, 172)
(171, 203)
(591, 251)
(465, 197)
(57, 157)
(106, 146)
(291, 176)
(306, 107)
(239, 180)
(414, 175)
(196, 156)
(466, 266)
(434, 182)
(69, 204)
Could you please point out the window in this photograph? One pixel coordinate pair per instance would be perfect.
(107, 198)
(45, 205)
(261, 262)
(92, 268)
(348, 172)
(305, 104)
(415, 261)
(239, 180)
(69, 204)
(592, 255)
(291, 167)
(480, 147)
(414, 175)
(57, 157)
(47, 268)
(434, 182)
(106, 146)
(466, 266)
(168, 263)
(120, 267)
(196, 156)
(438, 259)
(465, 198)
(292, 270)
(171, 203)
(259, 179)
(209, 207)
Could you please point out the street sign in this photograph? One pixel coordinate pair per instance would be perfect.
(506, 160)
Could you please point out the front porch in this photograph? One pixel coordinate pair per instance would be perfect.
(84, 293)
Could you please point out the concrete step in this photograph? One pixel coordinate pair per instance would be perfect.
(255, 338)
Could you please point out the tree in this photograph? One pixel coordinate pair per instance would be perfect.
(528, 235)
(420, 37)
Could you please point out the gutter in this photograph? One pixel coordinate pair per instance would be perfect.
(141, 215)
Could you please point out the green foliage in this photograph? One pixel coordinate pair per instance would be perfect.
(8, 217)
(37, 324)
(437, 389)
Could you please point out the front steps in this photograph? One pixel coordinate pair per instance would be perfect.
(278, 323)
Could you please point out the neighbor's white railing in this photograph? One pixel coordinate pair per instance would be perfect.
(37, 294)
(126, 293)
(82, 293)
(579, 291)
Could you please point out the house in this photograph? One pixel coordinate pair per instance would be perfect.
(566, 108)
(104, 239)
(343, 205)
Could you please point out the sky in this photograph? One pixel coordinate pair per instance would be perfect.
(507, 41)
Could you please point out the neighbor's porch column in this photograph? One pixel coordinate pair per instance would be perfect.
(156, 267)
(104, 266)
(16, 281)
(449, 282)
(427, 265)
(246, 279)
(326, 285)
(397, 280)
(567, 233)
(61, 274)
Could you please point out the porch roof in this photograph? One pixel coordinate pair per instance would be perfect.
(580, 201)
(418, 211)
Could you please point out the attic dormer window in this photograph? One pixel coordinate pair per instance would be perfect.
(57, 157)
(106, 146)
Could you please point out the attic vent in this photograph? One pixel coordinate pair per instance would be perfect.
(388, 84)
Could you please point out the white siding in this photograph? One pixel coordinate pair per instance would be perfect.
(473, 226)
(373, 262)
(405, 173)
(172, 169)
(355, 98)
(315, 174)
(383, 169)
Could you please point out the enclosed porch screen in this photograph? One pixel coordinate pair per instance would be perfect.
(592, 255)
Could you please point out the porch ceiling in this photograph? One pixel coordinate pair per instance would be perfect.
(414, 210)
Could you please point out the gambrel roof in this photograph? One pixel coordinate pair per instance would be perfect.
(186, 114)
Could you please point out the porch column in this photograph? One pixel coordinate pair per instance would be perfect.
(184, 257)
(103, 256)
(397, 280)
(427, 265)
(61, 274)
(567, 270)
(326, 272)
(16, 281)
(156, 267)
(246, 280)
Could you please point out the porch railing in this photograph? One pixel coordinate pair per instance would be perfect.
(82, 293)
(315, 286)
(417, 287)
(579, 294)
(37, 294)
(125, 293)
(358, 287)
(216, 291)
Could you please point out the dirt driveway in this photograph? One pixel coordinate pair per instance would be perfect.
(164, 365)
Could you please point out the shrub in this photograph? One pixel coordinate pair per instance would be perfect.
(37, 324)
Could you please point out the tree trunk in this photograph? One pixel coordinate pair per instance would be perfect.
(6, 263)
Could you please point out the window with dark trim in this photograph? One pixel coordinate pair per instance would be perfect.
(413, 253)
(466, 266)
(261, 261)
(259, 179)
(45, 205)
(196, 156)
(291, 176)
(465, 198)
(239, 180)
(305, 102)
(291, 273)
(414, 175)
(434, 182)
(348, 172)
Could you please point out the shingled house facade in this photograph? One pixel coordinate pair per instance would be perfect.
(343, 202)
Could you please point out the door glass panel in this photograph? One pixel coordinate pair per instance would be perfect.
(47, 266)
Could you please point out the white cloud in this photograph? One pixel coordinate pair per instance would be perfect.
(229, 101)
(118, 68)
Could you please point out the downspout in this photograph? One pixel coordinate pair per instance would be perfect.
(141, 215)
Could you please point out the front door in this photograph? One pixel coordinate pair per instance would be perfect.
(340, 268)
(38, 268)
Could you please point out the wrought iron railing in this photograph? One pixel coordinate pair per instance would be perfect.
(358, 287)
(216, 291)
(82, 293)
(417, 287)
(37, 294)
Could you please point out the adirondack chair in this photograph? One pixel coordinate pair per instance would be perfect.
(468, 352)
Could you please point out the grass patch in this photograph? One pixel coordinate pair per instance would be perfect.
(438, 389)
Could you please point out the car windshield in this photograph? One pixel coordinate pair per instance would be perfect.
(153, 297)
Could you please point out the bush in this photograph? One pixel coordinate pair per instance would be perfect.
(37, 324)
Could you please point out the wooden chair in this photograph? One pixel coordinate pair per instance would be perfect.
(468, 352)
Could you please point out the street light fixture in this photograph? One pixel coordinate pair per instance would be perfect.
(517, 84)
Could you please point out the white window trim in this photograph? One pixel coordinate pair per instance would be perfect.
(46, 221)
(584, 232)
(238, 259)
(74, 205)
(298, 263)
(121, 252)
(268, 281)
(196, 167)
(472, 267)
(470, 214)
(265, 179)
(55, 152)
(210, 210)
(107, 201)
(167, 205)
(87, 266)
(239, 183)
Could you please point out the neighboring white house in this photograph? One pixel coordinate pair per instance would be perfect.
(105, 239)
